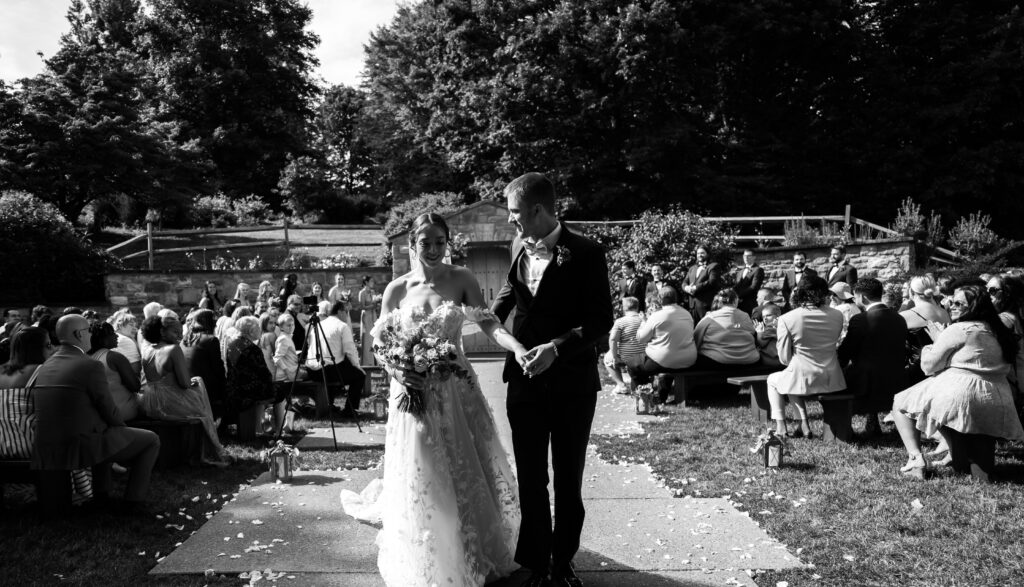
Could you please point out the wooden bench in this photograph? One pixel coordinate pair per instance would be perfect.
(53, 488)
(973, 454)
(684, 382)
(180, 441)
(836, 408)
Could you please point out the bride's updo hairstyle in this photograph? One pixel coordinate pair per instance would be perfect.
(422, 222)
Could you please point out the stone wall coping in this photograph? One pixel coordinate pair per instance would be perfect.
(808, 247)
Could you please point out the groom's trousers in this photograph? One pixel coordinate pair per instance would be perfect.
(564, 421)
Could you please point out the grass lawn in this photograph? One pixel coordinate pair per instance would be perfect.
(98, 548)
(845, 508)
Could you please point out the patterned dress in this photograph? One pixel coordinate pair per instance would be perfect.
(449, 504)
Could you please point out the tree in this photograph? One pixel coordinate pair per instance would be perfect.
(236, 74)
(82, 131)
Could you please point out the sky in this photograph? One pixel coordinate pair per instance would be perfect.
(30, 26)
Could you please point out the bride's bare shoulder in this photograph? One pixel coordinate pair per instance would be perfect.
(395, 290)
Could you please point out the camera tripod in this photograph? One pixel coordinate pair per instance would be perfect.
(315, 330)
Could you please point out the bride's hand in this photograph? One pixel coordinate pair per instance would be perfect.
(409, 379)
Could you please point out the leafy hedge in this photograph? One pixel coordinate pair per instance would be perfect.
(401, 216)
(45, 259)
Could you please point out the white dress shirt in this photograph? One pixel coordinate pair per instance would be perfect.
(535, 262)
(339, 343)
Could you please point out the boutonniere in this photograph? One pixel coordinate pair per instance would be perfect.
(562, 255)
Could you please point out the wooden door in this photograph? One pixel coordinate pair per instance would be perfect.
(490, 266)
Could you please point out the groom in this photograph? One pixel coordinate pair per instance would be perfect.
(558, 285)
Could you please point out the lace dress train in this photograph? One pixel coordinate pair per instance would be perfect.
(448, 503)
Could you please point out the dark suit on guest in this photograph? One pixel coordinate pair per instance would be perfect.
(202, 353)
(845, 272)
(874, 355)
(708, 281)
(790, 281)
(748, 281)
(559, 403)
(654, 286)
(78, 425)
(636, 287)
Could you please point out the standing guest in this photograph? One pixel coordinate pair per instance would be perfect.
(201, 350)
(966, 389)
(658, 281)
(702, 282)
(725, 336)
(768, 336)
(840, 269)
(368, 300)
(249, 380)
(242, 294)
(72, 310)
(77, 423)
(288, 287)
(30, 347)
(337, 342)
(122, 382)
(169, 392)
(1007, 295)
(843, 300)
(268, 337)
(748, 282)
(151, 309)
(668, 336)
(126, 327)
(316, 294)
(926, 309)
(225, 321)
(765, 296)
(338, 291)
(294, 309)
(795, 275)
(945, 284)
(38, 312)
(12, 323)
(623, 347)
(807, 340)
(633, 285)
(265, 292)
(259, 308)
(286, 366)
(874, 354)
(211, 298)
(231, 332)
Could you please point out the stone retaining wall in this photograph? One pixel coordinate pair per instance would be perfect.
(182, 290)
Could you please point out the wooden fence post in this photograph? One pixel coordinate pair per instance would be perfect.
(286, 238)
(149, 243)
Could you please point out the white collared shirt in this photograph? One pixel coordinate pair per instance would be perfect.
(532, 267)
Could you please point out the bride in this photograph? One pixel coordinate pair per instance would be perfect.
(448, 504)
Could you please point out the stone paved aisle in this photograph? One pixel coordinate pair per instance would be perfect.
(636, 532)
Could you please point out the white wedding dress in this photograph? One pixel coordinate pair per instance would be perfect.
(448, 505)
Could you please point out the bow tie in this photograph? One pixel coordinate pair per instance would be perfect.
(749, 267)
(701, 265)
(536, 249)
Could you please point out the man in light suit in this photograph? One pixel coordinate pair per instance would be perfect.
(874, 354)
(794, 275)
(77, 423)
(840, 270)
(553, 393)
(702, 282)
(632, 285)
(748, 281)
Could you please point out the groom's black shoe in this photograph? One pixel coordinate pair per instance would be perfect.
(537, 579)
(565, 577)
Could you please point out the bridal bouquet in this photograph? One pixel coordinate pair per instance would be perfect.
(419, 350)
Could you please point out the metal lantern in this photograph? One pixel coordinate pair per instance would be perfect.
(380, 406)
(772, 449)
(281, 460)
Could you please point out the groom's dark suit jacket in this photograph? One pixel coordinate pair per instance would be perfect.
(573, 307)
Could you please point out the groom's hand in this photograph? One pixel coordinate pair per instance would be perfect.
(543, 356)
(523, 356)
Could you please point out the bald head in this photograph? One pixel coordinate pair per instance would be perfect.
(73, 329)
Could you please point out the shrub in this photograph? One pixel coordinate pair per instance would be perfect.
(307, 261)
(45, 259)
(219, 211)
(972, 237)
(401, 216)
(909, 220)
(798, 232)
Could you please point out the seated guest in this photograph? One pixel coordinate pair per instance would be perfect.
(151, 309)
(77, 423)
(127, 329)
(668, 336)
(12, 323)
(1006, 294)
(725, 337)
(623, 346)
(966, 389)
(202, 358)
(874, 354)
(294, 309)
(268, 337)
(767, 335)
(842, 300)
(249, 380)
(38, 312)
(765, 295)
(286, 366)
(229, 332)
(225, 320)
(30, 347)
(925, 310)
(122, 382)
(339, 360)
(747, 282)
(169, 392)
(808, 336)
